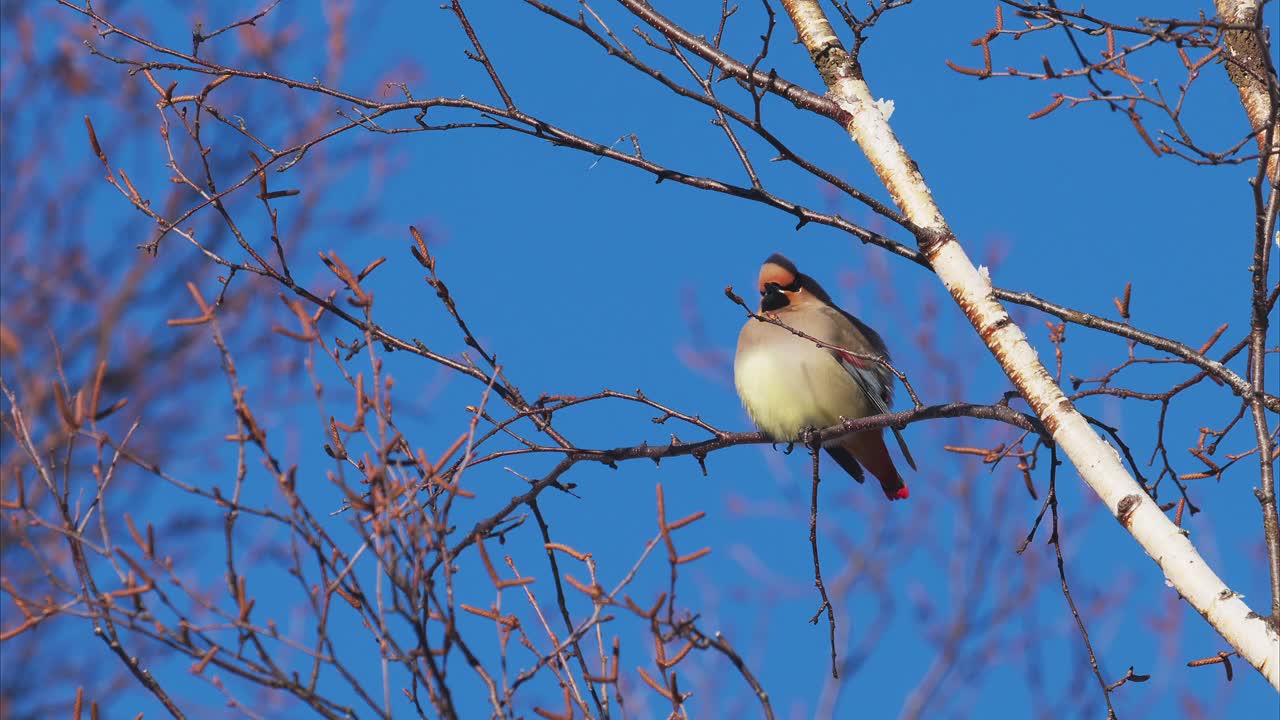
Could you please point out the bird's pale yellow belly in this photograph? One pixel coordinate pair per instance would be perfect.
(788, 390)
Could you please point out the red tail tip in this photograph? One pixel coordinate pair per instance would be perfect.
(902, 494)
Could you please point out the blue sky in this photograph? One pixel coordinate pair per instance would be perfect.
(582, 275)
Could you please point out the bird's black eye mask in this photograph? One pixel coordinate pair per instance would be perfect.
(774, 296)
(772, 287)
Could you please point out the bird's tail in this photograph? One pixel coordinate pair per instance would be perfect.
(869, 450)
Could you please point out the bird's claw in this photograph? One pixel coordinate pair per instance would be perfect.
(809, 436)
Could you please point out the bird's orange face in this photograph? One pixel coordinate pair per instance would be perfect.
(781, 286)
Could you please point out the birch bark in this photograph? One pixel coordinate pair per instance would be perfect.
(1247, 67)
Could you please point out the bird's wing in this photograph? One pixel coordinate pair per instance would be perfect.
(875, 380)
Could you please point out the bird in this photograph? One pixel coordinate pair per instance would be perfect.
(790, 385)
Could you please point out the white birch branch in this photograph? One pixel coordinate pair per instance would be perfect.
(1248, 68)
(1098, 463)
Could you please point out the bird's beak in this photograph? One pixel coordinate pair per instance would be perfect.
(773, 298)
